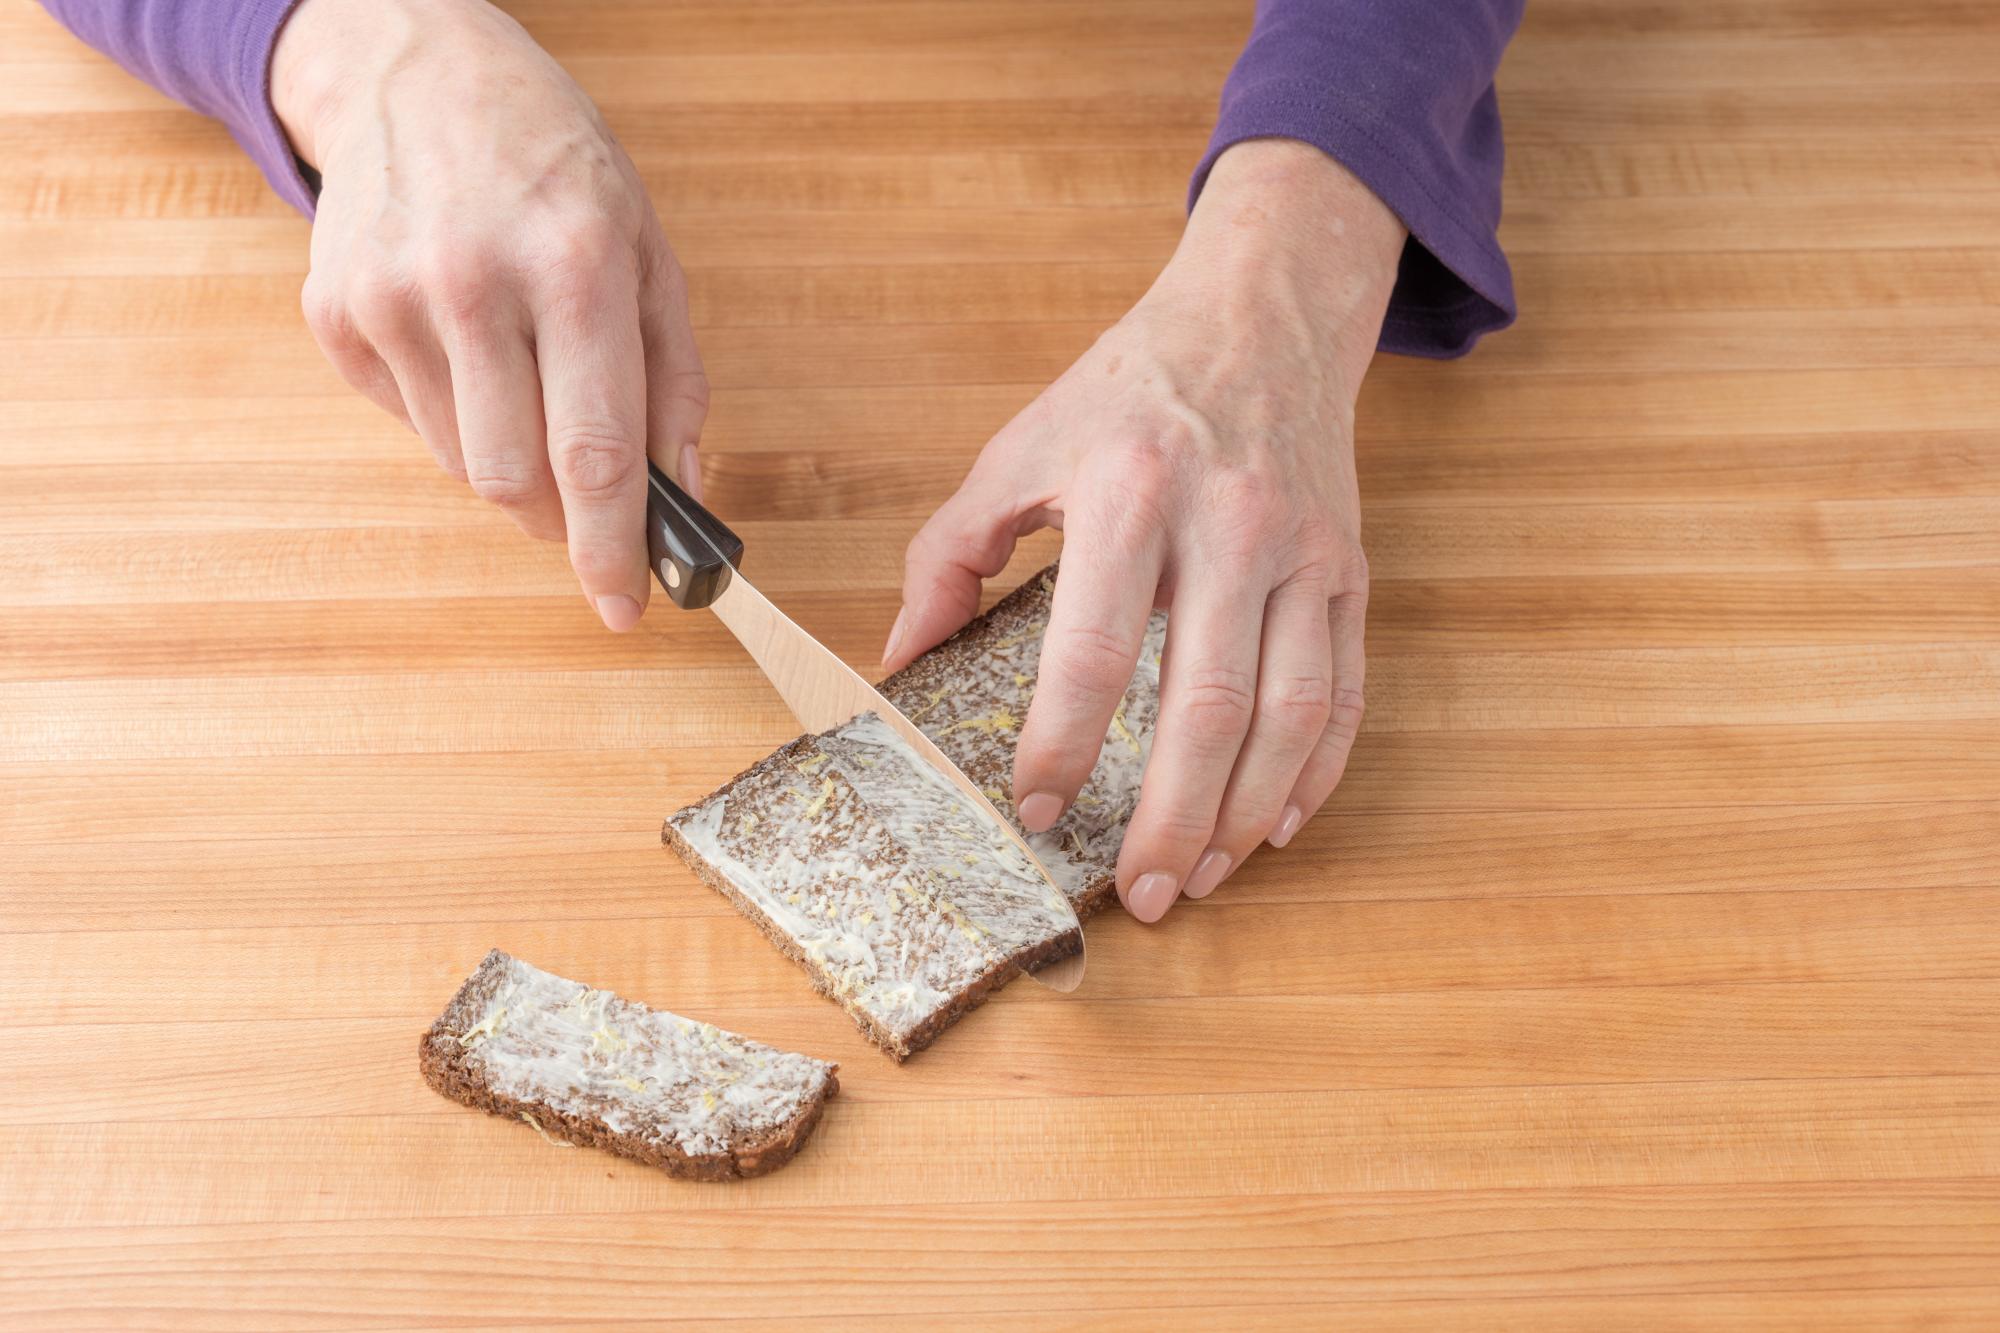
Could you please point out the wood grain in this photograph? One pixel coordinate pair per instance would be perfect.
(1644, 973)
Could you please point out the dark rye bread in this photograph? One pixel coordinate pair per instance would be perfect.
(815, 845)
(584, 1066)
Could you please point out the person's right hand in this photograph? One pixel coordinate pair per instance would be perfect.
(487, 267)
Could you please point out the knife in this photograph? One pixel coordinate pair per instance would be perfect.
(697, 559)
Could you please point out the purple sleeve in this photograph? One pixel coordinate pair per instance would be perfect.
(1400, 92)
(212, 55)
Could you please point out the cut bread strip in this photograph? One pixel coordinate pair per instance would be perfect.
(838, 848)
(584, 1066)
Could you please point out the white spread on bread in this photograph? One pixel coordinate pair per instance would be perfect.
(887, 879)
(1084, 843)
(638, 1071)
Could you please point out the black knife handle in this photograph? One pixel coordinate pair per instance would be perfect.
(690, 550)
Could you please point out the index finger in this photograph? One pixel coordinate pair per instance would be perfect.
(593, 369)
(1097, 624)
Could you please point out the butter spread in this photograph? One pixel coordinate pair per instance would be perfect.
(638, 1071)
(889, 881)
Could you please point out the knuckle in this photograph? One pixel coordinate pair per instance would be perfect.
(1298, 704)
(509, 485)
(1351, 569)
(326, 314)
(666, 275)
(446, 454)
(968, 532)
(1316, 555)
(1243, 509)
(1144, 454)
(1135, 496)
(1344, 711)
(597, 563)
(936, 540)
(1178, 824)
(458, 283)
(1216, 703)
(1245, 495)
(1240, 826)
(580, 258)
(1092, 659)
(378, 298)
(595, 460)
(688, 390)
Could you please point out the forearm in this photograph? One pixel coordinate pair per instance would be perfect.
(1289, 232)
(211, 55)
(1402, 95)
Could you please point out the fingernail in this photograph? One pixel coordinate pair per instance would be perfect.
(1288, 824)
(1039, 811)
(1150, 896)
(690, 470)
(1208, 873)
(618, 611)
(895, 636)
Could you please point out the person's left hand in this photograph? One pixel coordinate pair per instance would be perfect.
(1199, 457)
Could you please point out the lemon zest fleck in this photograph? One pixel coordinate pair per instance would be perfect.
(747, 823)
(819, 802)
(937, 697)
(1118, 725)
(632, 1083)
(606, 1038)
(999, 721)
(807, 765)
(486, 1027)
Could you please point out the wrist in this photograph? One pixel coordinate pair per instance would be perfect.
(313, 71)
(1283, 229)
(330, 53)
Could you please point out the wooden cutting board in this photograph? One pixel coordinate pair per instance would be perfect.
(1645, 970)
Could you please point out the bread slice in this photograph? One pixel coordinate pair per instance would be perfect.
(894, 901)
(583, 1066)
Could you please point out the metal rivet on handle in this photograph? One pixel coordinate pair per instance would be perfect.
(671, 573)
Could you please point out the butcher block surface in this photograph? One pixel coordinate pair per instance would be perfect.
(1644, 971)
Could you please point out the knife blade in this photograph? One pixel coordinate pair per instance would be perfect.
(697, 559)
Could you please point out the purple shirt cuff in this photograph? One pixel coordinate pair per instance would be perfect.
(1402, 96)
(212, 55)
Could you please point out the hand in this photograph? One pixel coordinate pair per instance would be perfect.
(486, 266)
(1199, 457)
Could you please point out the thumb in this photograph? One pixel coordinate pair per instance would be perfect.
(968, 540)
